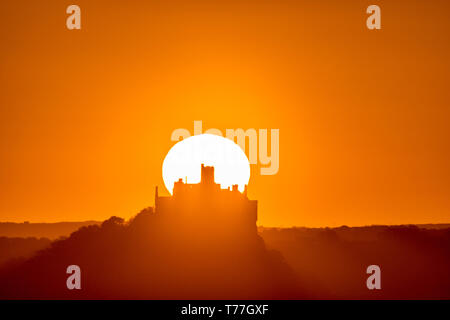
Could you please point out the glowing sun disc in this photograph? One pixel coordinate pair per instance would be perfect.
(184, 160)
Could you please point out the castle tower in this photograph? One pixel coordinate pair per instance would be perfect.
(207, 176)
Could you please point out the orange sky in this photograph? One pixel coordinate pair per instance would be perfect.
(86, 116)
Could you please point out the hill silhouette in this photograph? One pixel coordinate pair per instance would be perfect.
(414, 262)
(139, 259)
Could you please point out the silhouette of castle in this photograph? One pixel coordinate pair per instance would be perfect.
(206, 204)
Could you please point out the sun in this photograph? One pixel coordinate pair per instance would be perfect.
(185, 158)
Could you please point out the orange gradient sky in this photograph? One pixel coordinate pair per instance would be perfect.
(86, 116)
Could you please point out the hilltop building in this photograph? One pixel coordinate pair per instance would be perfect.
(207, 205)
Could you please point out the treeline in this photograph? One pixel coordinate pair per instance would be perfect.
(414, 262)
(41, 230)
(20, 248)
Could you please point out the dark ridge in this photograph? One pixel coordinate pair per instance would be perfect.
(41, 230)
